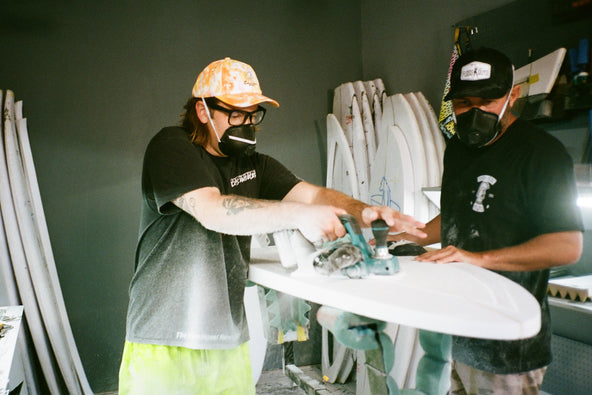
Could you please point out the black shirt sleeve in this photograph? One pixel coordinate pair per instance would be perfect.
(173, 166)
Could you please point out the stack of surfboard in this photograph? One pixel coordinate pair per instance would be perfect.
(352, 137)
(384, 149)
(27, 266)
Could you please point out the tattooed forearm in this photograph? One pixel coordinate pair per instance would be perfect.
(186, 204)
(236, 204)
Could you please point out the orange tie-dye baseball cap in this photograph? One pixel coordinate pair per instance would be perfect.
(232, 82)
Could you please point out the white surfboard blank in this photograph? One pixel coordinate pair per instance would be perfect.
(19, 262)
(351, 123)
(405, 120)
(431, 156)
(42, 282)
(341, 171)
(367, 120)
(437, 135)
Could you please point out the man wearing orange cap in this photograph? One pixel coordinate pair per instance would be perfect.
(205, 192)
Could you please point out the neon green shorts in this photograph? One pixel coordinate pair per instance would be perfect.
(152, 369)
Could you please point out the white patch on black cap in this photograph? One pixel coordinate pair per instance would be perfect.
(475, 71)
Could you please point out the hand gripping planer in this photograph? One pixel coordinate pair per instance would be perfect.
(356, 258)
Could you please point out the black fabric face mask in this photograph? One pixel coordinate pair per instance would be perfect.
(476, 127)
(238, 140)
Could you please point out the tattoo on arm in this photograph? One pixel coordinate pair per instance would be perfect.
(236, 204)
(232, 204)
(187, 204)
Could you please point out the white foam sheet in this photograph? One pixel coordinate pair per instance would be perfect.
(11, 317)
(538, 77)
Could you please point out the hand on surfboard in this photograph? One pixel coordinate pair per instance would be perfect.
(397, 221)
(450, 254)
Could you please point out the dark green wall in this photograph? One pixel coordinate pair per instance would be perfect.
(409, 43)
(98, 79)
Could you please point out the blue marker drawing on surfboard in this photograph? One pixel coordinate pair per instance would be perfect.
(392, 177)
(384, 198)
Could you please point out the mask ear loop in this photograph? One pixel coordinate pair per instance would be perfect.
(499, 117)
(210, 118)
(508, 98)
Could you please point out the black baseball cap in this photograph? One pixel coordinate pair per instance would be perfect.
(482, 72)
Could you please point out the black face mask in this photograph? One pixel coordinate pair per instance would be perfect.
(238, 140)
(476, 127)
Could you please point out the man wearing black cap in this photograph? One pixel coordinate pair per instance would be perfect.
(508, 205)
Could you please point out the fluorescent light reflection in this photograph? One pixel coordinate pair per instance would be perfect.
(585, 201)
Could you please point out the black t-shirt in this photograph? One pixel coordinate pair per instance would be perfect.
(173, 166)
(502, 195)
(189, 281)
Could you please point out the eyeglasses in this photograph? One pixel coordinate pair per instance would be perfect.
(239, 117)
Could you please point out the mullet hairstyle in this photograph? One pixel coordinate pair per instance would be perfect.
(198, 131)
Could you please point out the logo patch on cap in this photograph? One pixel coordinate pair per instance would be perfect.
(475, 71)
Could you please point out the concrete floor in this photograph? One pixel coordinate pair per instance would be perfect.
(279, 382)
(271, 382)
(275, 382)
